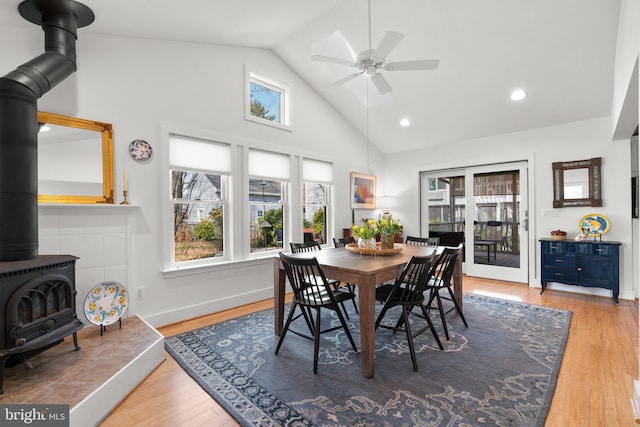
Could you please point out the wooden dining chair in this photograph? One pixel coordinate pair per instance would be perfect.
(342, 242)
(440, 279)
(313, 246)
(407, 292)
(423, 241)
(312, 293)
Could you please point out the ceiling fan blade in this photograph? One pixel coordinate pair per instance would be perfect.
(344, 80)
(381, 83)
(332, 60)
(425, 64)
(388, 43)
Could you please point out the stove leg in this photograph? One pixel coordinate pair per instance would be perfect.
(27, 364)
(75, 341)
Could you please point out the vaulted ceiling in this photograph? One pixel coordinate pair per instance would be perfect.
(561, 53)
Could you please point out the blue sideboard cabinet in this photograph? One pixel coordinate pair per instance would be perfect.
(593, 264)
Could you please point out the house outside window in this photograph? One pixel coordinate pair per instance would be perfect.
(268, 101)
(269, 175)
(317, 217)
(199, 177)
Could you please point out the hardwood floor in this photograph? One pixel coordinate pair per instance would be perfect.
(595, 385)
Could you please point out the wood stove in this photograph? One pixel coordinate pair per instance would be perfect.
(39, 301)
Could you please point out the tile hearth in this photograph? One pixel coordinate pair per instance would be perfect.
(92, 380)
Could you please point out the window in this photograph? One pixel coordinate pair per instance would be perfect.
(317, 178)
(199, 174)
(268, 102)
(269, 174)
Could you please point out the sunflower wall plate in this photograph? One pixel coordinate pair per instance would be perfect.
(106, 303)
(140, 150)
(594, 225)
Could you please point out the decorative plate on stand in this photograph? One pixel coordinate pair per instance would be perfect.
(106, 303)
(594, 225)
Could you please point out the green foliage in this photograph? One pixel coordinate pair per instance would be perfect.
(210, 228)
(258, 110)
(274, 217)
(318, 222)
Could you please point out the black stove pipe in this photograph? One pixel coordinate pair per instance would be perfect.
(19, 91)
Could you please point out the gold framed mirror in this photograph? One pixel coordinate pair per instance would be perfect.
(577, 183)
(75, 160)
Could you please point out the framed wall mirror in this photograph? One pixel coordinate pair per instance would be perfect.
(577, 183)
(75, 160)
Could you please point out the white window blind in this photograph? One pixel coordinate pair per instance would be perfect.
(266, 164)
(317, 171)
(198, 155)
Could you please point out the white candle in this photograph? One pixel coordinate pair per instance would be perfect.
(125, 180)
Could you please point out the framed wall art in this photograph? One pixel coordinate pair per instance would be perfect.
(363, 191)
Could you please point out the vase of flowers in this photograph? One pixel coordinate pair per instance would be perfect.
(387, 227)
(366, 234)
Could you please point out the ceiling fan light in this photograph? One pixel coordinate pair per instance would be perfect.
(405, 122)
(518, 94)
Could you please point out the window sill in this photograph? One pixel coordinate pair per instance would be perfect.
(169, 273)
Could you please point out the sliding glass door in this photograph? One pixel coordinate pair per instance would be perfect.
(485, 207)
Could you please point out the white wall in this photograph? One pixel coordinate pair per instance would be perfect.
(141, 85)
(573, 141)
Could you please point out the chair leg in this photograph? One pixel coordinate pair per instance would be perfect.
(346, 330)
(442, 317)
(407, 328)
(316, 342)
(286, 326)
(430, 323)
(458, 309)
(353, 291)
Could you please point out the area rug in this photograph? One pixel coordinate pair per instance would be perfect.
(500, 371)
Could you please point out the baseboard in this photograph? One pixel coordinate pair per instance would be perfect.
(208, 307)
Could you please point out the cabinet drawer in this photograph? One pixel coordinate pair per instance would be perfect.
(559, 261)
(559, 274)
(556, 247)
(598, 250)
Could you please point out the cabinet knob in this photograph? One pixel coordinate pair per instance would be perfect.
(579, 268)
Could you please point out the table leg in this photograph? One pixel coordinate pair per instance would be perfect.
(279, 277)
(366, 303)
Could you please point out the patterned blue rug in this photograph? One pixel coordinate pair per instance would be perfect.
(500, 371)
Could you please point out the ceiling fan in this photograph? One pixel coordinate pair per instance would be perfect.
(370, 62)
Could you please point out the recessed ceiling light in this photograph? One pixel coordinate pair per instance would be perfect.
(518, 94)
(405, 122)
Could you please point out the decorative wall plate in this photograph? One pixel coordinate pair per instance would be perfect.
(106, 303)
(594, 225)
(140, 149)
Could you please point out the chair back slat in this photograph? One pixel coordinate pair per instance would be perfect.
(409, 287)
(422, 241)
(442, 271)
(309, 246)
(341, 243)
(307, 280)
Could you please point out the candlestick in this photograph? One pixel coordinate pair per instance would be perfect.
(124, 202)
(125, 180)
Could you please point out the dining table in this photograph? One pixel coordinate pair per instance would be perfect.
(366, 272)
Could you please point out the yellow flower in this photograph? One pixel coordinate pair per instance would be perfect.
(92, 306)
